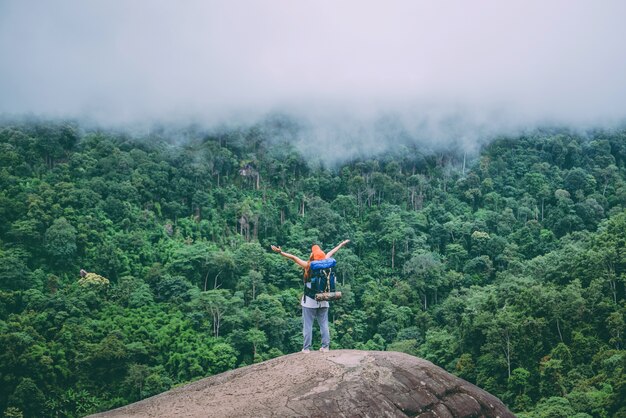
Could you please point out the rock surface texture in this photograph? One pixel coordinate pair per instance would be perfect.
(342, 383)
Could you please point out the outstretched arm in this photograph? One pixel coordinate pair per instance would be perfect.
(292, 257)
(334, 250)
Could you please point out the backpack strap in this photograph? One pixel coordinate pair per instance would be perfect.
(327, 273)
(308, 292)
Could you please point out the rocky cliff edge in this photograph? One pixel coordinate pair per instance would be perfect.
(341, 383)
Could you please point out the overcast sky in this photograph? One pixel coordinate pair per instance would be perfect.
(494, 62)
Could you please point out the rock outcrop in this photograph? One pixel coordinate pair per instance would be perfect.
(342, 383)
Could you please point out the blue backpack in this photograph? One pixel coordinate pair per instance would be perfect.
(322, 277)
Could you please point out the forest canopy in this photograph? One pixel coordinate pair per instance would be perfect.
(505, 267)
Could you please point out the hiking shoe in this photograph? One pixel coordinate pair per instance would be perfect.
(324, 349)
(306, 350)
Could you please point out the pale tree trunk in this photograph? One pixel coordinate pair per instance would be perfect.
(217, 317)
(206, 278)
(613, 284)
(393, 252)
(215, 286)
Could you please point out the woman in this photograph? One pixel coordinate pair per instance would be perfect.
(311, 308)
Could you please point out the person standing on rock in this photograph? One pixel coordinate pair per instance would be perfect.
(311, 308)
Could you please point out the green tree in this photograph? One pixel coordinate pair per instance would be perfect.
(502, 328)
(257, 339)
(14, 273)
(392, 233)
(60, 240)
(425, 272)
(28, 398)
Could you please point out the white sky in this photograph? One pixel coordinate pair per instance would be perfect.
(500, 62)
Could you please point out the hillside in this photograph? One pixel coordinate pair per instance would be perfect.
(505, 267)
(344, 383)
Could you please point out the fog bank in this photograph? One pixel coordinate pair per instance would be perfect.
(442, 71)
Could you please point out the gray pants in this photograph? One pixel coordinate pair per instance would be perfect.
(308, 315)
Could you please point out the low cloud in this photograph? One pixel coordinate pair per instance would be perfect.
(356, 74)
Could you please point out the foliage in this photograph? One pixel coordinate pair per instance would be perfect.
(510, 274)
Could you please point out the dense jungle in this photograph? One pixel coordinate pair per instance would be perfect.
(506, 266)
